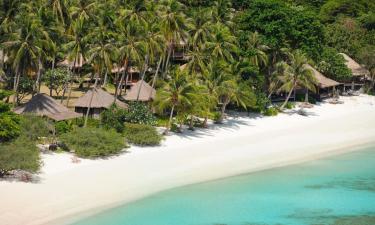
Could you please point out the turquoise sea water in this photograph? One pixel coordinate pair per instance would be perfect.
(339, 190)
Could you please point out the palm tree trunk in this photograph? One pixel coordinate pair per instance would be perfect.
(36, 88)
(191, 124)
(91, 98)
(51, 78)
(105, 78)
(122, 79)
(222, 113)
(71, 82)
(15, 86)
(156, 75)
(307, 96)
(287, 98)
(167, 61)
(143, 76)
(169, 121)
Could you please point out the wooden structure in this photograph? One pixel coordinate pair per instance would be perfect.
(100, 100)
(325, 87)
(71, 65)
(133, 76)
(44, 105)
(141, 91)
(360, 73)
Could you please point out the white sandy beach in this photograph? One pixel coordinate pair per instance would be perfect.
(69, 191)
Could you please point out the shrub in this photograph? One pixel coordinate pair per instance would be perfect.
(91, 122)
(63, 127)
(113, 118)
(140, 113)
(9, 121)
(34, 127)
(141, 134)
(9, 126)
(272, 111)
(290, 105)
(19, 155)
(93, 142)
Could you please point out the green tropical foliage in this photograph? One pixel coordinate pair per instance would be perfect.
(142, 135)
(94, 142)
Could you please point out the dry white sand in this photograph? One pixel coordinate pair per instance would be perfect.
(241, 145)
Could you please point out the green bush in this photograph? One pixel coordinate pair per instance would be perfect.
(93, 142)
(301, 98)
(9, 126)
(19, 154)
(140, 113)
(9, 121)
(34, 127)
(113, 118)
(290, 105)
(141, 134)
(91, 122)
(272, 111)
(63, 127)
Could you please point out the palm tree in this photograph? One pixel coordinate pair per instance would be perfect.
(256, 50)
(225, 87)
(222, 44)
(174, 25)
(295, 73)
(175, 94)
(25, 45)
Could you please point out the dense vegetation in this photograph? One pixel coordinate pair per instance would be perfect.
(236, 54)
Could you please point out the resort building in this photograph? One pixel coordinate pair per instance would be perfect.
(133, 76)
(140, 91)
(360, 73)
(80, 62)
(45, 106)
(325, 87)
(99, 99)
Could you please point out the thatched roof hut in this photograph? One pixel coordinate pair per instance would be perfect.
(100, 99)
(44, 105)
(141, 91)
(323, 81)
(356, 69)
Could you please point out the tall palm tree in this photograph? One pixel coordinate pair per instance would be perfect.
(295, 72)
(222, 44)
(174, 25)
(25, 45)
(225, 87)
(256, 50)
(175, 94)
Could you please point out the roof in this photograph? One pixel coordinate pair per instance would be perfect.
(146, 92)
(356, 69)
(44, 105)
(100, 99)
(68, 63)
(323, 81)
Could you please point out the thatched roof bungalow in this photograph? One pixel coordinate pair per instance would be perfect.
(141, 91)
(100, 100)
(356, 68)
(44, 105)
(325, 87)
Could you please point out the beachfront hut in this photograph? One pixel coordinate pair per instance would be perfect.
(44, 105)
(360, 73)
(141, 91)
(100, 100)
(325, 87)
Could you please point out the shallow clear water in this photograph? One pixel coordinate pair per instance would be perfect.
(339, 190)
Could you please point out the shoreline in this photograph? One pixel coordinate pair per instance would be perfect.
(94, 211)
(242, 145)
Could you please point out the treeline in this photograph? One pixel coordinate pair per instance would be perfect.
(236, 52)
